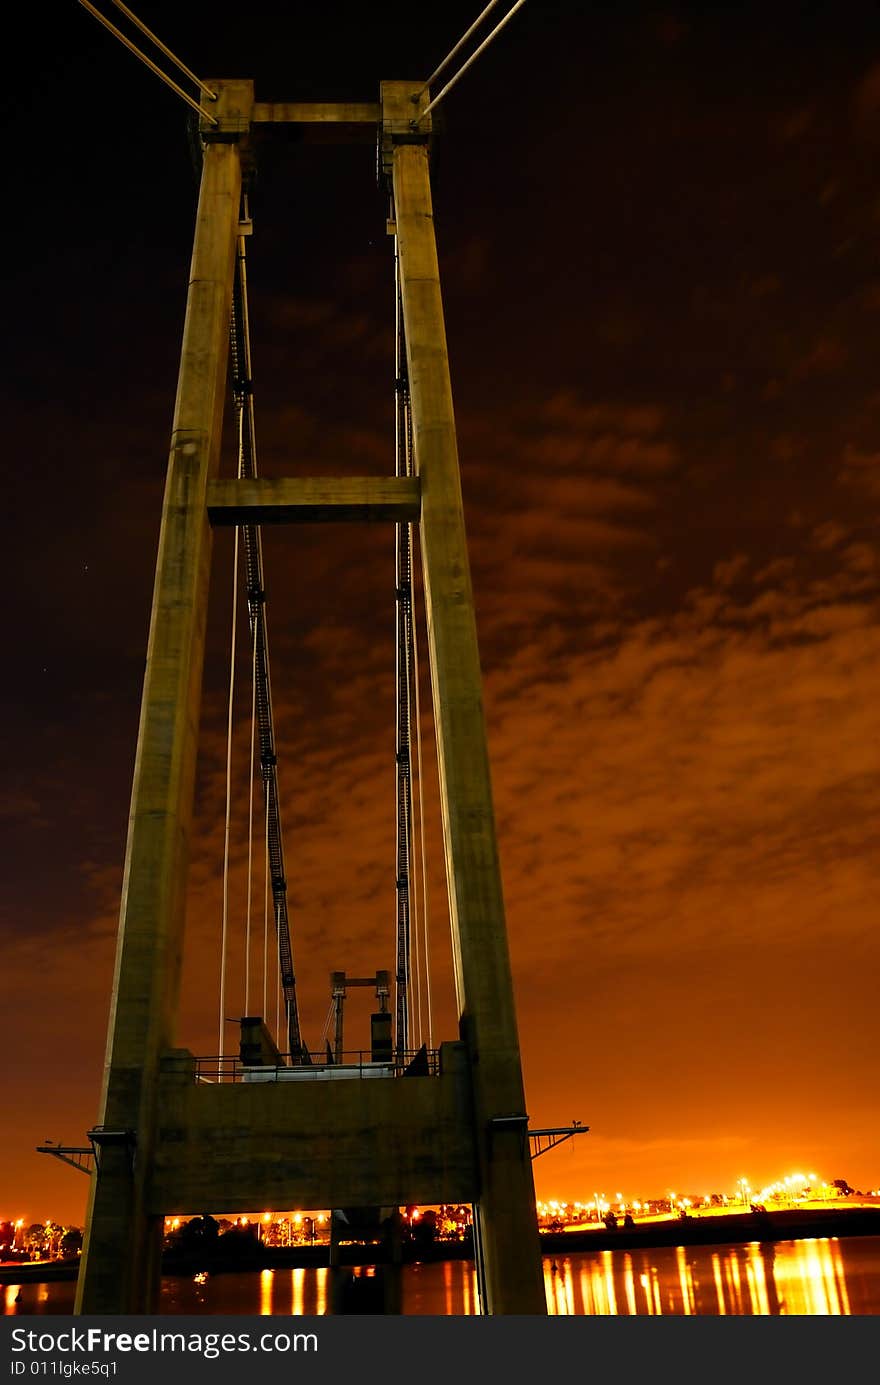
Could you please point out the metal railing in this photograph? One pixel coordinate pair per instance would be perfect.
(353, 1064)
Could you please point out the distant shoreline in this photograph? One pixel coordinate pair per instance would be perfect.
(793, 1224)
(727, 1228)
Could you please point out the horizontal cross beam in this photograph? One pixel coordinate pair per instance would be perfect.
(316, 112)
(314, 500)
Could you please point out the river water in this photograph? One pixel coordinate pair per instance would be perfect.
(824, 1277)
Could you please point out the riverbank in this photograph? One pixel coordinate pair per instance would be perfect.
(727, 1229)
(38, 1271)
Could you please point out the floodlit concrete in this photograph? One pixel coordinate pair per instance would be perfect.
(120, 1261)
(167, 1143)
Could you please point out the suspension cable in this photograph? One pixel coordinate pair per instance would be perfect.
(410, 647)
(449, 56)
(404, 795)
(225, 912)
(242, 386)
(416, 983)
(472, 59)
(250, 857)
(266, 917)
(403, 679)
(163, 76)
(408, 700)
(212, 95)
(421, 803)
(278, 1038)
(327, 1020)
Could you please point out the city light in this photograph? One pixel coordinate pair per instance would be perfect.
(791, 1191)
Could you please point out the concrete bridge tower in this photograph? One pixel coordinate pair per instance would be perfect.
(165, 1143)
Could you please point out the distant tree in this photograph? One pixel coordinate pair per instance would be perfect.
(35, 1238)
(198, 1233)
(842, 1186)
(54, 1232)
(71, 1243)
(424, 1231)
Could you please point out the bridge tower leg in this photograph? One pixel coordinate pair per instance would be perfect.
(506, 1231)
(119, 1272)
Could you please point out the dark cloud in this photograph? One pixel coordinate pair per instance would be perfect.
(659, 294)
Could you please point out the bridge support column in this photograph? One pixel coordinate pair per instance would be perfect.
(120, 1264)
(507, 1232)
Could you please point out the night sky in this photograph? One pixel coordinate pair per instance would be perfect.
(659, 234)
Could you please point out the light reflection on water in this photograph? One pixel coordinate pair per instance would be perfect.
(756, 1280)
(820, 1277)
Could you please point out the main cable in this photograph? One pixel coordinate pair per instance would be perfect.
(450, 55)
(163, 76)
(472, 59)
(212, 95)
